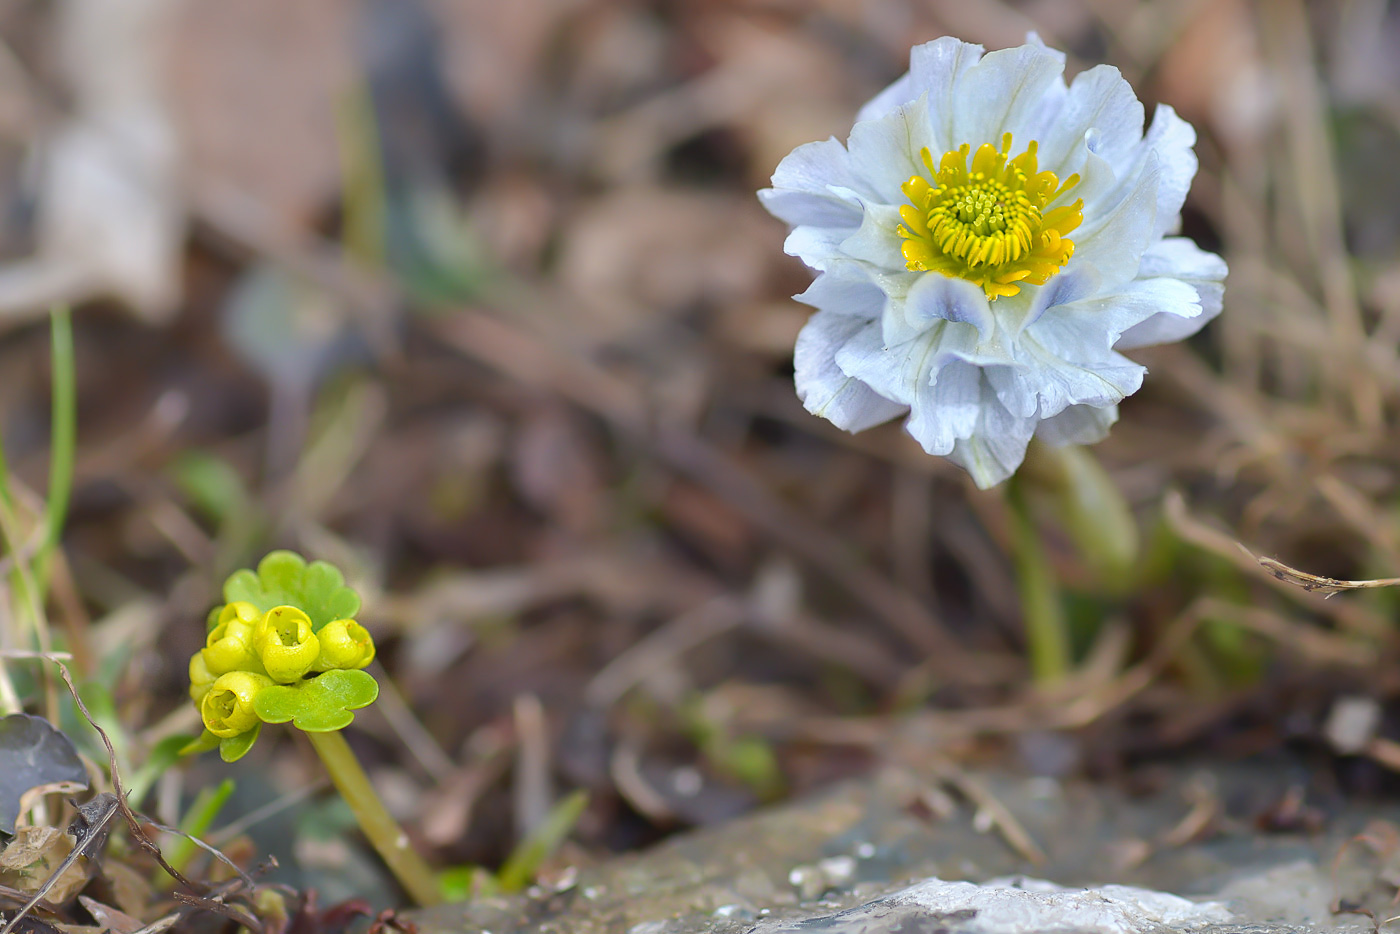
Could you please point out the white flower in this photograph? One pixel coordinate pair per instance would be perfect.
(985, 243)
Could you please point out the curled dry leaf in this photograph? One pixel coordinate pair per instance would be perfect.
(33, 855)
(1313, 583)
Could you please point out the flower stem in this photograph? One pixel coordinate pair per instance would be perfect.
(383, 831)
(1047, 637)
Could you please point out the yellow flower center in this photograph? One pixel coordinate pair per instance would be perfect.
(988, 224)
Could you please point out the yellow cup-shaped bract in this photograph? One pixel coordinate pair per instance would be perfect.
(285, 643)
(227, 708)
(200, 677)
(229, 646)
(344, 644)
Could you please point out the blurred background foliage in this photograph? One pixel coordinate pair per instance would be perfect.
(475, 300)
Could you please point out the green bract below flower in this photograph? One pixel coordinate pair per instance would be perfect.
(986, 243)
(285, 647)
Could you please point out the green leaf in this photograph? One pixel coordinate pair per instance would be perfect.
(284, 578)
(318, 705)
(196, 822)
(525, 860)
(236, 747)
(462, 883)
(162, 756)
(213, 485)
(201, 743)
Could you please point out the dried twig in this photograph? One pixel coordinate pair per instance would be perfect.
(1011, 829)
(1313, 583)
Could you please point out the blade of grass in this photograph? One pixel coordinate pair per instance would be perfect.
(201, 814)
(524, 861)
(63, 443)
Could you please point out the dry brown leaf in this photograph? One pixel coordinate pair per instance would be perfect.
(33, 855)
(1313, 583)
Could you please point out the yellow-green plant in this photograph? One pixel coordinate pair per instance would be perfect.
(285, 647)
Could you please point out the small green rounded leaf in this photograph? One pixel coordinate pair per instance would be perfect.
(318, 705)
(236, 747)
(284, 578)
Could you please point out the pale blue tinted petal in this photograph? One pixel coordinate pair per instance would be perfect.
(1066, 357)
(877, 240)
(890, 371)
(1178, 260)
(935, 297)
(946, 407)
(1078, 424)
(1113, 242)
(818, 247)
(997, 445)
(1003, 92)
(1017, 312)
(891, 98)
(802, 187)
(1058, 380)
(1181, 258)
(823, 388)
(934, 69)
(1101, 320)
(1098, 99)
(884, 153)
(842, 295)
(1171, 138)
(897, 372)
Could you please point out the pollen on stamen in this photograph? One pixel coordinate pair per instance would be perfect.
(991, 224)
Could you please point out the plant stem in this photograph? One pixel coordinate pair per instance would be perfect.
(1047, 638)
(63, 443)
(383, 831)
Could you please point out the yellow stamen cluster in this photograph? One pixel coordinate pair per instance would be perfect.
(248, 650)
(990, 224)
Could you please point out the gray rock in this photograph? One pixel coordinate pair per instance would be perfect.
(1014, 906)
(844, 862)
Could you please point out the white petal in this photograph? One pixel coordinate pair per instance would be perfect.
(933, 67)
(1177, 259)
(1098, 185)
(1065, 358)
(1099, 99)
(1101, 320)
(946, 407)
(818, 247)
(877, 240)
(1004, 91)
(821, 385)
(1048, 382)
(890, 99)
(845, 296)
(898, 372)
(1171, 138)
(1078, 424)
(802, 183)
(936, 297)
(1113, 242)
(997, 445)
(1017, 312)
(884, 153)
(1180, 257)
